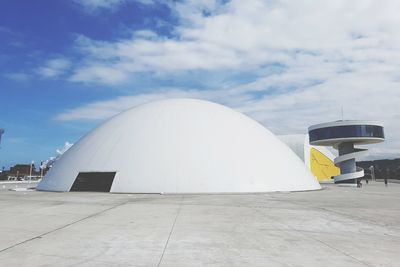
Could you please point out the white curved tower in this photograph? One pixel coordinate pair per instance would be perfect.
(179, 146)
(343, 135)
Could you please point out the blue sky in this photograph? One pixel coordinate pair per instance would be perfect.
(32, 32)
(66, 66)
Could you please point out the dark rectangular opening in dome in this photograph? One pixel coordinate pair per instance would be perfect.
(93, 182)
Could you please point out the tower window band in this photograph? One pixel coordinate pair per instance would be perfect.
(347, 131)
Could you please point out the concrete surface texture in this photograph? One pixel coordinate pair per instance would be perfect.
(336, 226)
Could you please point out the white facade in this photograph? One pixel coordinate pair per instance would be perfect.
(300, 145)
(183, 146)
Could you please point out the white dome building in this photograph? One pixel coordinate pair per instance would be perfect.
(179, 146)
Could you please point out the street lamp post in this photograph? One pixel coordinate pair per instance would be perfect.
(30, 172)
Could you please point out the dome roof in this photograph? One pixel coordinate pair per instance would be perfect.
(183, 146)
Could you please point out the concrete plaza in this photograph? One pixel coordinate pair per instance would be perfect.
(336, 226)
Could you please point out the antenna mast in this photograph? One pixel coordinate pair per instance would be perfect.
(342, 113)
(1, 132)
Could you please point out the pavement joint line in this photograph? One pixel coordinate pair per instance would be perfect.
(338, 250)
(358, 218)
(170, 233)
(347, 216)
(61, 227)
(326, 244)
(329, 246)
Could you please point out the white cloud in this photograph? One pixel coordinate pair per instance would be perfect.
(246, 34)
(54, 67)
(18, 76)
(286, 112)
(59, 152)
(95, 4)
(329, 54)
(104, 109)
(92, 5)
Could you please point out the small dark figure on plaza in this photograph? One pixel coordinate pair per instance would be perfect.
(386, 177)
(359, 184)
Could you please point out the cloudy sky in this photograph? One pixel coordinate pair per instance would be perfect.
(67, 65)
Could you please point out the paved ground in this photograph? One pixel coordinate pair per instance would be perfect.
(337, 226)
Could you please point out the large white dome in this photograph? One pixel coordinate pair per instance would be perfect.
(182, 146)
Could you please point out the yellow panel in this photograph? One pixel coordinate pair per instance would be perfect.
(321, 166)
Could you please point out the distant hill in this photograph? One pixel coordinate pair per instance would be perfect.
(383, 167)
